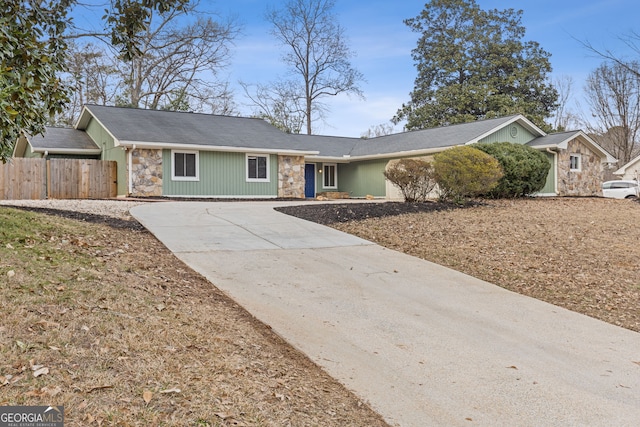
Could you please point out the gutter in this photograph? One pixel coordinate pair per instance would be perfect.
(393, 155)
(198, 147)
(88, 151)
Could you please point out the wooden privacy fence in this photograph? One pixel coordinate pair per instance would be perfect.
(22, 178)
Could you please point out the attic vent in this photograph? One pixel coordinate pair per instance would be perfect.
(513, 131)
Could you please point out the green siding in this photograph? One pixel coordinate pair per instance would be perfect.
(504, 135)
(221, 175)
(110, 152)
(363, 178)
(550, 184)
(30, 154)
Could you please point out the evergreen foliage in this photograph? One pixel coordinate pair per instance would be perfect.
(474, 64)
(525, 169)
(463, 172)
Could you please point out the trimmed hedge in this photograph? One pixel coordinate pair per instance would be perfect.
(525, 169)
(464, 171)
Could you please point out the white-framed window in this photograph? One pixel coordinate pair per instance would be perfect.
(257, 168)
(329, 175)
(185, 165)
(575, 162)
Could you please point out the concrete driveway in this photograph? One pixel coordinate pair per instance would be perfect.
(423, 344)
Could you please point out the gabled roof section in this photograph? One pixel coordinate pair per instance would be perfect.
(170, 129)
(624, 168)
(436, 138)
(63, 141)
(413, 142)
(561, 140)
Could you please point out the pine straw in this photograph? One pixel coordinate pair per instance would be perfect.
(579, 253)
(131, 337)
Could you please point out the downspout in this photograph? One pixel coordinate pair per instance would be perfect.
(555, 167)
(130, 171)
(48, 172)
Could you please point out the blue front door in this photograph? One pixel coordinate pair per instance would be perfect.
(309, 180)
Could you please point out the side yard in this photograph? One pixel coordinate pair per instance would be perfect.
(579, 253)
(103, 319)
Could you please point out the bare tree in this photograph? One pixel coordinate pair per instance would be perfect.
(378, 130)
(317, 52)
(175, 58)
(278, 103)
(613, 93)
(631, 39)
(91, 77)
(217, 101)
(564, 118)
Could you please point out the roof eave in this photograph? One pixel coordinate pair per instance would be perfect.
(395, 154)
(609, 158)
(624, 167)
(82, 151)
(199, 147)
(83, 121)
(522, 120)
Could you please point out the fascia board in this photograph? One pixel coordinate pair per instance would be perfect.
(392, 155)
(543, 147)
(197, 147)
(590, 142)
(83, 118)
(18, 143)
(67, 150)
(83, 122)
(328, 159)
(624, 168)
(528, 124)
(522, 120)
(564, 144)
(594, 144)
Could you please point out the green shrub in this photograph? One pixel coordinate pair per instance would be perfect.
(463, 172)
(413, 177)
(525, 169)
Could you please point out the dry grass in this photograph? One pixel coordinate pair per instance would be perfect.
(123, 334)
(581, 254)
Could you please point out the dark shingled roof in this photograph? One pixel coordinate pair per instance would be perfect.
(154, 126)
(552, 139)
(328, 146)
(134, 125)
(157, 126)
(447, 136)
(66, 139)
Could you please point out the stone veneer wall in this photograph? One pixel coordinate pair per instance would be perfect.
(291, 177)
(147, 173)
(587, 181)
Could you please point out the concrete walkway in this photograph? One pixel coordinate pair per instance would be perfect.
(423, 344)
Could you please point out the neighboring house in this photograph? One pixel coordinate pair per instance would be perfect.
(177, 154)
(630, 171)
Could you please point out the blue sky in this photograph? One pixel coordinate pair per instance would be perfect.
(383, 45)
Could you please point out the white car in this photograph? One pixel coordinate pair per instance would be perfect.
(620, 189)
